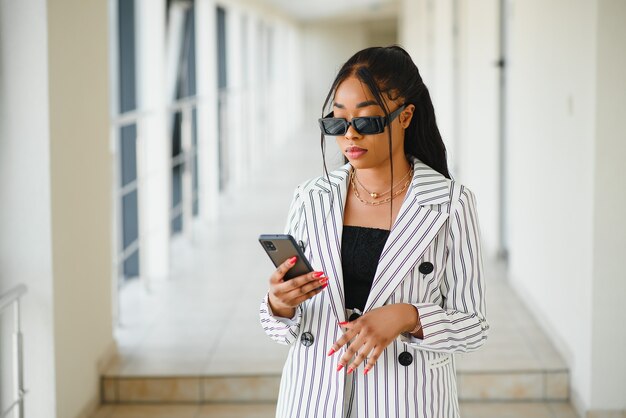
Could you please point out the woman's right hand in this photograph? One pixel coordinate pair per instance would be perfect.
(286, 295)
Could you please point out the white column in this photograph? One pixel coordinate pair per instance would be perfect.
(608, 335)
(153, 142)
(25, 193)
(206, 68)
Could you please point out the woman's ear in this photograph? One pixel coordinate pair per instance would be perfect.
(406, 116)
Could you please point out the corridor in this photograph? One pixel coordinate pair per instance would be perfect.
(145, 145)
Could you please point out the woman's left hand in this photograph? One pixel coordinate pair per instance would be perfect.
(371, 333)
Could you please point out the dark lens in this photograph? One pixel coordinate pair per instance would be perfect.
(367, 125)
(334, 126)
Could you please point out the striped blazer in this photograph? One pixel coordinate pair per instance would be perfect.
(432, 259)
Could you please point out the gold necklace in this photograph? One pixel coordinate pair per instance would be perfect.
(377, 195)
(380, 202)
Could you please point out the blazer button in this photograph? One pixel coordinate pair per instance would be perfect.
(405, 358)
(307, 339)
(426, 268)
(354, 316)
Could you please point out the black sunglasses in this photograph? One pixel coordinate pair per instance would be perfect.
(367, 125)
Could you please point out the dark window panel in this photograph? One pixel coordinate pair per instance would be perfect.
(194, 136)
(177, 224)
(177, 139)
(177, 185)
(131, 266)
(221, 48)
(130, 222)
(128, 153)
(126, 28)
(186, 77)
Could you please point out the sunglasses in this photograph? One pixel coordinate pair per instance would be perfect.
(367, 125)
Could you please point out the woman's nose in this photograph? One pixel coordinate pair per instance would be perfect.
(351, 133)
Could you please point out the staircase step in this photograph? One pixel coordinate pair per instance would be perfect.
(267, 410)
(541, 385)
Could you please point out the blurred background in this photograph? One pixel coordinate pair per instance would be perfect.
(144, 145)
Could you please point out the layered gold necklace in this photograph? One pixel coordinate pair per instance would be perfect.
(354, 180)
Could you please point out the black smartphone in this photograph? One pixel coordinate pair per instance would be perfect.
(281, 247)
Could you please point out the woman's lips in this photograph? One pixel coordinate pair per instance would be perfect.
(355, 152)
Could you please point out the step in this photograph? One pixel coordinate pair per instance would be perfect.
(546, 385)
(554, 409)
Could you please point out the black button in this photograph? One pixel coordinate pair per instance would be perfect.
(354, 316)
(405, 358)
(426, 268)
(307, 339)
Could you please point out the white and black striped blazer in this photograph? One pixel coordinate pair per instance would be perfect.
(437, 224)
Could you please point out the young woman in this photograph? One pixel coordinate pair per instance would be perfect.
(398, 286)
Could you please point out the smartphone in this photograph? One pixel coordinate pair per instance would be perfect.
(280, 247)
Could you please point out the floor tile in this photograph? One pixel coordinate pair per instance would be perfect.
(505, 410)
(103, 411)
(562, 410)
(153, 411)
(557, 386)
(240, 388)
(501, 386)
(238, 411)
(159, 390)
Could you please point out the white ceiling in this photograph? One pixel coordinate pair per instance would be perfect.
(312, 10)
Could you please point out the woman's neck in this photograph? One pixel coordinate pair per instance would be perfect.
(378, 179)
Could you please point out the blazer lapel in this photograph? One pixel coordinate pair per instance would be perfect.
(415, 227)
(324, 214)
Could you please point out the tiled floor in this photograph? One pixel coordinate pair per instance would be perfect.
(203, 322)
(468, 410)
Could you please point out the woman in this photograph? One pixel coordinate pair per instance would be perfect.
(398, 286)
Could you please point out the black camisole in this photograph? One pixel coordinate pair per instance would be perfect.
(361, 248)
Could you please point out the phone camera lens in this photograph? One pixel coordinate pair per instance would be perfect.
(269, 245)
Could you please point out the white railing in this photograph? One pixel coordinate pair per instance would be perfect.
(12, 298)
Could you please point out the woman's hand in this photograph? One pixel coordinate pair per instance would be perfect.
(286, 295)
(371, 333)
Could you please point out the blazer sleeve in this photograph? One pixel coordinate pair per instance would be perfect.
(285, 330)
(459, 324)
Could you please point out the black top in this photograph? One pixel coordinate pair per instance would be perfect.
(361, 248)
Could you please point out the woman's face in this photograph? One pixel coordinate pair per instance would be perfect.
(353, 99)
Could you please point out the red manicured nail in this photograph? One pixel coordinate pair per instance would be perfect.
(292, 260)
(318, 274)
(350, 370)
(343, 323)
(340, 367)
(331, 352)
(366, 371)
(325, 285)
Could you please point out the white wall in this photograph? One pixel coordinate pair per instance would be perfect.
(326, 46)
(608, 336)
(477, 106)
(463, 82)
(25, 241)
(551, 165)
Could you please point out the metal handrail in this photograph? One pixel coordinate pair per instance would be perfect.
(12, 297)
